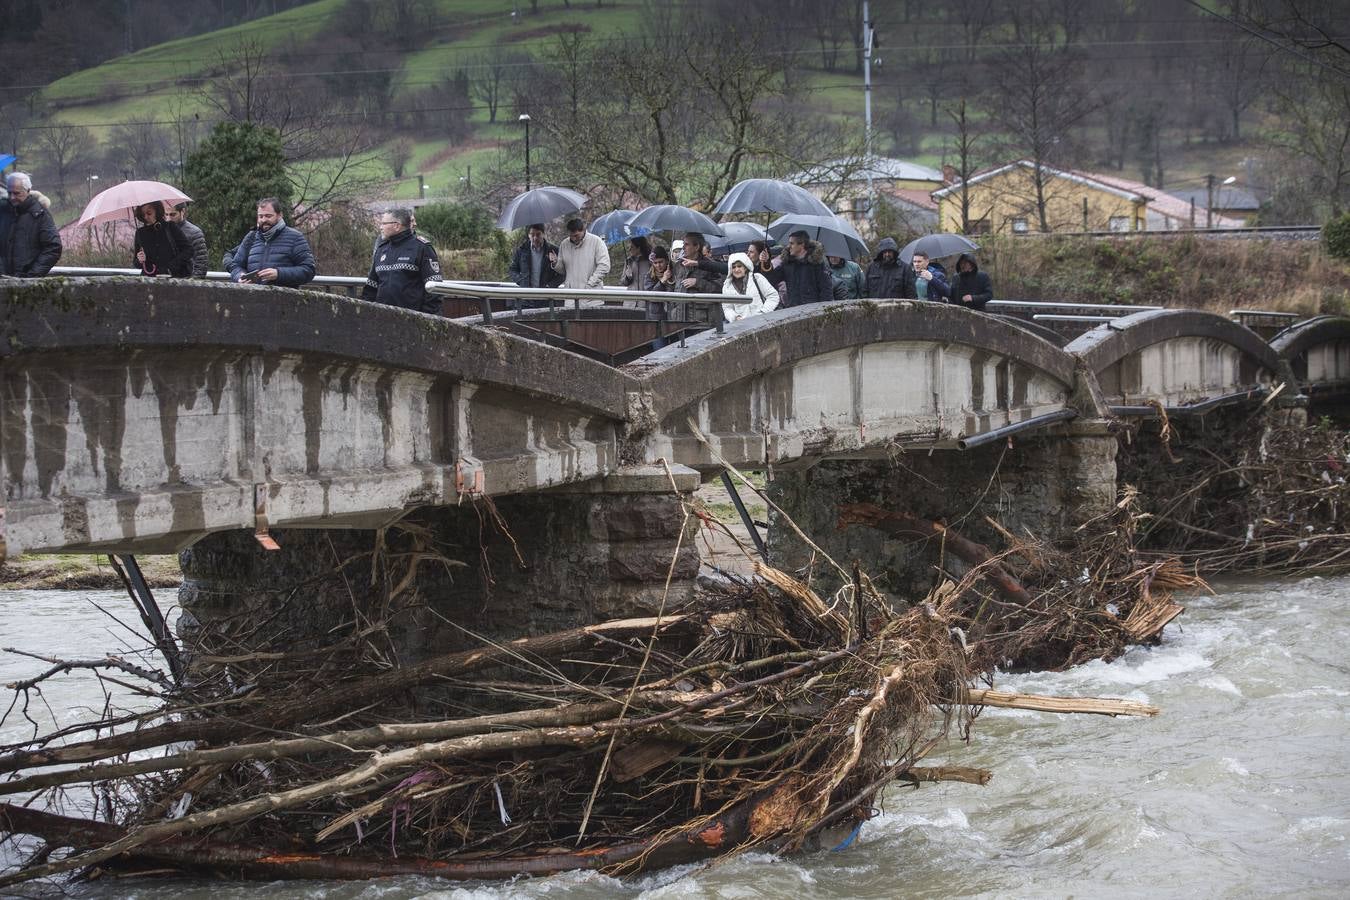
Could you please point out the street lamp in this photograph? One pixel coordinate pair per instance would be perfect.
(89, 185)
(1209, 202)
(525, 117)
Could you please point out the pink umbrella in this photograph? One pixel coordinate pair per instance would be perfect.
(118, 201)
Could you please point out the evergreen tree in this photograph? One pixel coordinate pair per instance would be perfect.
(238, 164)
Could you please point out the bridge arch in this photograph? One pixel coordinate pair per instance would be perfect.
(848, 380)
(1186, 359)
(1318, 353)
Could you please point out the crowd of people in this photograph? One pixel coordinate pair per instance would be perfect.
(166, 243)
(801, 273)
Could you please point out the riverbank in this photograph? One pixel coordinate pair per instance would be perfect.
(82, 572)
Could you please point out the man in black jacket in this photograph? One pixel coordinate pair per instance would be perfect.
(404, 263)
(804, 272)
(885, 276)
(971, 287)
(29, 241)
(529, 264)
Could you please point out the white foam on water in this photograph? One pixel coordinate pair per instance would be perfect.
(1220, 683)
(1233, 766)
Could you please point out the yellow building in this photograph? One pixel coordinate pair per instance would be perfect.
(1004, 200)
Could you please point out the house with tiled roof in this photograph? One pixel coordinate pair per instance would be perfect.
(1004, 200)
(906, 186)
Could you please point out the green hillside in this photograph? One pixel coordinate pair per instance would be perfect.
(166, 82)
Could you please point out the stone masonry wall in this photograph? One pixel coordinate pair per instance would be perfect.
(1046, 485)
(587, 557)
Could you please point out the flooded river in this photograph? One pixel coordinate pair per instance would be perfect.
(1239, 788)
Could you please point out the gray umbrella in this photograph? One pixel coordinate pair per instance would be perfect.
(765, 195)
(937, 246)
(737, 236)
(666, 217)
(838, 237)
(543, 204)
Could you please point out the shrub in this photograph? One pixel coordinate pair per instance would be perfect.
(456, 226)
(1336, 237)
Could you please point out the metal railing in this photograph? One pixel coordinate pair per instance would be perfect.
(486, 293)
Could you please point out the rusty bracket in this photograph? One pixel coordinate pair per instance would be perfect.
(260, 533)
(474, 484)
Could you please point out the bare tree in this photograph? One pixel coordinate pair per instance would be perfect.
(397, 155)
(138, 147)
(492, 75)
(966, 154)
(1039, 98)
(65, 148)
(1310, 87)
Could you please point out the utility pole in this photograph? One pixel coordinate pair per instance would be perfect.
(867, 107)
(525, 117)
(1209, 203)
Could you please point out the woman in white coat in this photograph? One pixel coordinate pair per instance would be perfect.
(744, 281)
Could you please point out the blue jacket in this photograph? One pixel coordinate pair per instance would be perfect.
(281, 248)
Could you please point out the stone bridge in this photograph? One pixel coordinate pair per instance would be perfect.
(149, 416)
(138, 417)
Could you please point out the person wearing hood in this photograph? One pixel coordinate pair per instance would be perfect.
(273, 253)
(971, 288)
(30, 243)
(848, 278)
(744, 281)
(805, 276)
(160, 247)
(885, 276)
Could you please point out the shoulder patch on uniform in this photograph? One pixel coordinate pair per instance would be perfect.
(422, 239)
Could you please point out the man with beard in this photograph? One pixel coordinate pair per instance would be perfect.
(273, 253)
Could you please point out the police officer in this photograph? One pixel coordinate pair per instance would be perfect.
(404, 262)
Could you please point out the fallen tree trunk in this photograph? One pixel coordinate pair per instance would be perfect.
(718, 834)
(966, 774)
(348, 695)
(1101, 706)
(904, 525)
(354, 740)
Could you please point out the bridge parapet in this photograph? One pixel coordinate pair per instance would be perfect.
(1318, 354)
(844, 380)
(1184, 359)
(139, 416)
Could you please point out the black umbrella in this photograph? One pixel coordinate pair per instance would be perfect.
(543, 204)
(666, 217)
(838, 237)
(938, 246)
(765, 195)
(738, 235)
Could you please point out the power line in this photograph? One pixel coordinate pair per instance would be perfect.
(1270, 40)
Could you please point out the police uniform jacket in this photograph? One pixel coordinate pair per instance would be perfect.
(402, 266)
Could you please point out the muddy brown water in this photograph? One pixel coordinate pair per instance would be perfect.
(1238, 789)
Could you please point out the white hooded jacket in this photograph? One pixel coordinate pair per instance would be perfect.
(763, 296)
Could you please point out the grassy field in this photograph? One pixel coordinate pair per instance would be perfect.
(162, 82)
(140, 75)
